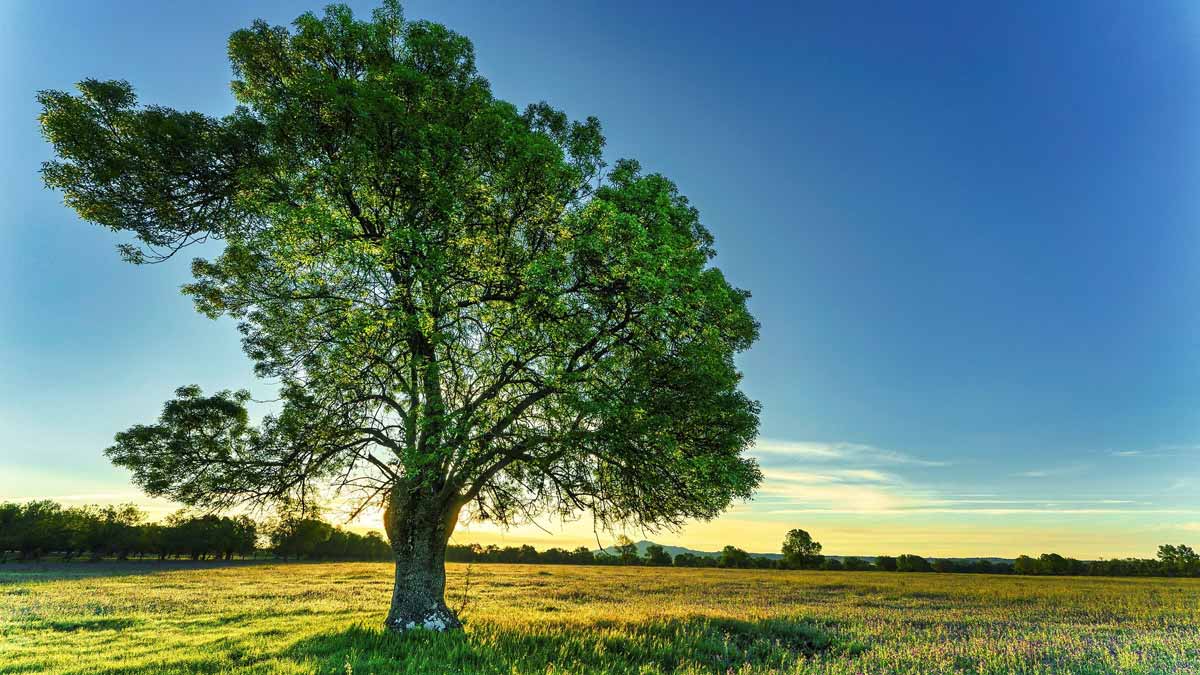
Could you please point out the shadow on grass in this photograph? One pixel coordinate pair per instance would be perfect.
(90, 624)
(32, 571)
(696, 644)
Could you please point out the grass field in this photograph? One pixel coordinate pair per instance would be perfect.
(325, 618)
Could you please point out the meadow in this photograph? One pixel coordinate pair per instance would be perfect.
(306, 618)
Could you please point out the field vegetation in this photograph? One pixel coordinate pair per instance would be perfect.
(182, 617)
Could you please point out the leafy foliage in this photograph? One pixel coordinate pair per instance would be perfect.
(39, 529)
(657, 555)
(732, 556)
(458, 299)
(800, 551)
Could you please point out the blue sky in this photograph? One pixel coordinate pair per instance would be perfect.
(971, 234)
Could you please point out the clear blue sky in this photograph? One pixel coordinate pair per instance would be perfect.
(972, 235)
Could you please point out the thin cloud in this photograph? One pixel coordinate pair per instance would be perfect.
(1068, 470)
(1179, 450)
(799, 450)
(1042, 502)
(1180, 484)
(919, 510)
(829, 476)
(853, 490)
(824, 489)
(840, 451)
(838, 498)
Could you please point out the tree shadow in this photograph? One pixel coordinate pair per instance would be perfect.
(695, 644)
(23, 572)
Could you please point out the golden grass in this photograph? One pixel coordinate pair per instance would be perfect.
(325, 618)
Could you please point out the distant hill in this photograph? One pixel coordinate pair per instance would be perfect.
(676, 550)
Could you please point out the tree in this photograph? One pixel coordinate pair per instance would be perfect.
(800, 551)
(245, 537)
(1025, 565)
(910, 562)
(467, 316)
(657, 555)
(732, 556)
(155, 540)
(582, 556)
(527, 554)
(854, 564)
(38, 528)
(299, 537)
(111, 530)
(10, 519)
(627, 551)
(1179, 560)
(886, 563)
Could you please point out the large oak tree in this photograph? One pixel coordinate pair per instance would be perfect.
(468, 314)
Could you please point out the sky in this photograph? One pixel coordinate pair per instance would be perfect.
(971, 231)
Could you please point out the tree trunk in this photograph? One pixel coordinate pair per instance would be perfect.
(419, 525)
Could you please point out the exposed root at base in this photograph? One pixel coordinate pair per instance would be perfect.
(438, 620)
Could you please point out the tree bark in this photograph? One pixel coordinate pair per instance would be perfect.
(419, 525)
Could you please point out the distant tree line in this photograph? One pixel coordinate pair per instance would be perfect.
(41, 529)
(801, 552)
(626, 552)
(311, 538)
(1172, 561)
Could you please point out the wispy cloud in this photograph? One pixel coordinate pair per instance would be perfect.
(829, 476)
(919, 510)
(839, 451)
(858, 478)
(855, 479)
(1181, 484)
(1042, 502)
(1066, 470)
(1178, 450)
(849, 490)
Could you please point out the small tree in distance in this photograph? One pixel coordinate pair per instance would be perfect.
(732, 556)
(854, 564)
(657, 555)
(800, 551)
(627, 551)
(910, 562)
(1179, 560)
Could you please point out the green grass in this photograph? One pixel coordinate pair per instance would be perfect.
(325, 618)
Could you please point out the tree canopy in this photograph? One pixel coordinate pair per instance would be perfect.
(465, 308)
(799, 549)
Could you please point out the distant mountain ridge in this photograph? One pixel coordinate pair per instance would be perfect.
(676, 550)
